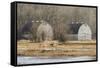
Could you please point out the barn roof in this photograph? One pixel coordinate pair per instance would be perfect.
(27, 26)
(74, 27)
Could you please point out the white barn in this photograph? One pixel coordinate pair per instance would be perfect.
(44, 31)
(84, 32)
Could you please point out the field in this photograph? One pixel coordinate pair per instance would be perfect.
(56, 49)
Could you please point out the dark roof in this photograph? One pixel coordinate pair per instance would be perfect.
(75, 27)
(24, 29)
(27, 26)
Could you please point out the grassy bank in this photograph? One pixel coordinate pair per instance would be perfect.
(54, 48)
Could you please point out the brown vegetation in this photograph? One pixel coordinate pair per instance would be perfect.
(54, 48)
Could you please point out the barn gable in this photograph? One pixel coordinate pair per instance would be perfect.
(84, 32)
(44, 32)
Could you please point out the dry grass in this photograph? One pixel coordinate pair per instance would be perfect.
(55, 48)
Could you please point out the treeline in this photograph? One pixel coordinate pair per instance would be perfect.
(57, 16)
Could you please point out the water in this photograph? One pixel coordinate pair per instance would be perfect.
(36, 60)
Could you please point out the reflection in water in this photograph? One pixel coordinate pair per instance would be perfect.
(36, 60)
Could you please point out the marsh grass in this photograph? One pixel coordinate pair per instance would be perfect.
(55, 48)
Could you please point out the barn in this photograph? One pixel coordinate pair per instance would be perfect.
(84, 32)
(39, 30)
(24, 31)
(44, 31)
(80, 31)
